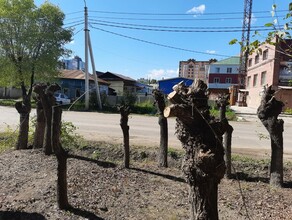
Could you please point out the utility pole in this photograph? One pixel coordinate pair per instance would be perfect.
(86, 59)
(94, 75)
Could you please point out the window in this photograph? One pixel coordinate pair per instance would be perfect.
(248, 81)
(263, 77)
(257, 59)
(265, 54)
(229, 70)
(216, 80)
(228, 80)
(217, 70)
(249, 62)
(255, 79)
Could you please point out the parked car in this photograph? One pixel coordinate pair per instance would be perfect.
(62, 99)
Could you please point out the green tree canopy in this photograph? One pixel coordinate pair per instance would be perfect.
(31, 41)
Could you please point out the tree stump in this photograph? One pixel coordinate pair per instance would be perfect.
(62, 155)
(268, 113)
(23, 108)
(125, 111)
(46, 94)
(162, 121)
(201, 137)
(40, 126)
(222, 102)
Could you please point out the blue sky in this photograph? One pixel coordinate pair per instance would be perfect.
(122, 42)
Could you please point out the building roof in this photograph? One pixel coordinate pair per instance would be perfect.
(109, 75)
(79, 75)
(228, 61)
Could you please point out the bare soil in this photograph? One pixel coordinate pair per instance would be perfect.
(99, 188)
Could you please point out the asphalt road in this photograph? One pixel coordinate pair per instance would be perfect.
(144, 130)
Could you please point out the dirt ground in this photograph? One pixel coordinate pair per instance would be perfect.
(99, 188)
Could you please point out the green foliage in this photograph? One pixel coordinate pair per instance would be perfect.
(31, 41)
(69, 138)
(146, 107)
(288, 111)
(277, 34)
(7, 139)
(230, 115)
(128, 99)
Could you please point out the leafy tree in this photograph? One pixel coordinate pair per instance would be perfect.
(31, 41)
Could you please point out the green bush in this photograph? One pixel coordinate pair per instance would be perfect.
(288, 111)
(144, 108)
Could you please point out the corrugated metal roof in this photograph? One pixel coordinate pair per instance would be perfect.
(228, 61)
(78, 74)
(126, 78)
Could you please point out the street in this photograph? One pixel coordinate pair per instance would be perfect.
(144, 130)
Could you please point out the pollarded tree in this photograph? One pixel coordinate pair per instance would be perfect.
(31, 41)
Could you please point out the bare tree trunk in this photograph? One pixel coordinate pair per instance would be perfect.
(61, 154)
(40, 126)
(125, 111)
(46, 94)
(222, 102)
(268, 113)
(201, 137)
(162, 121)
(23, 107)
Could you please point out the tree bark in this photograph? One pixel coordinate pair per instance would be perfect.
(61, 154)
(40, 126)
(46, 94)
(162, 121)
(23, 107)
(201, 137)
(268, 113)
(222, 102)
(125, 111)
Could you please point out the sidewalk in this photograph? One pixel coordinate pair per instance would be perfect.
(244, 110)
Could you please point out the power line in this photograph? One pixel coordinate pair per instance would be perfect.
(174, 19)
(178, 14)
(174, 27)
(182, 31)
(158, 44)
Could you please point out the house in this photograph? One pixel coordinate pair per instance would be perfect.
(72, 83)
(165, 85)
(271, 67)
(192, 69)
(222, 75)
(120, 83)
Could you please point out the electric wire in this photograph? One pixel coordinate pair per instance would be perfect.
(159, 44)
(177, 14)
(174, 27)
(171, 30)
(174, 19)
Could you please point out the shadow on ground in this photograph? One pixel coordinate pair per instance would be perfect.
(17, 215)
(174, 178)
(103, 164)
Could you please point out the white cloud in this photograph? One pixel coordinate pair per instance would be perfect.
(211, 51)
(159, 74)
(197, 10)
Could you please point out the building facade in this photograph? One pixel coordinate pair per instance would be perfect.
(192, 69)
(222, 75)
(74, 64)
(273, 68)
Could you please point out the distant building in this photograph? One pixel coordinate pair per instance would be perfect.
(192, 69)
(72, 83)
(73, 64)
(120, 83)
(222, 75)
(271, 67)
